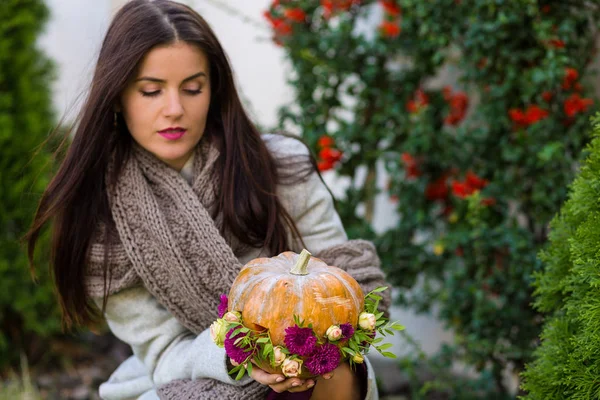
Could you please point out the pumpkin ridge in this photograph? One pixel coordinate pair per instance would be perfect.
(325, 302)
(275, 279)
(358, 300)
(251, 279)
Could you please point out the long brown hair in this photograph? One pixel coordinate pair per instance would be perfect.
(76, 200)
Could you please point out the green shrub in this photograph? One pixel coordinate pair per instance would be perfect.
(567, 364)
(477, 169)
(28, 312)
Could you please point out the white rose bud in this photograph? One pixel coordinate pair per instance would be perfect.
(278, 355)
(218, 330)
(232, 316)
(291, 368)
(367, 321)
(334, 333)
(358, 358)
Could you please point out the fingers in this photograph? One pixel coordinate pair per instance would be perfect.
(279, 383)
(264, 377)
(301, 386)
(293, 385)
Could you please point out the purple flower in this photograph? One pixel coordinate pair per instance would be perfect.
(223, 306)
(236, 353)
(347, 331)
(300, 341)
(325, 359)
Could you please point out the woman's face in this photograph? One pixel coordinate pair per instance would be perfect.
(166, 104)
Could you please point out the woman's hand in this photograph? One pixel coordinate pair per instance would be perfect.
(279, 383)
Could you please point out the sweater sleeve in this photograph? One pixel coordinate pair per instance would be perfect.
(167, 349)
(311, 207)
(308, 202)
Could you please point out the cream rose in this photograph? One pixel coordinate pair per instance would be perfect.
(334, 333)
(291, 368)
(367, 321)
(232, 316)
(218, 330)
(278, 356)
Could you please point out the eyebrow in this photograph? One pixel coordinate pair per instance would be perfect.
(151, 79)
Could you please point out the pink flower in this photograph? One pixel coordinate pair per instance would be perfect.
(347, 330)
(237, 353)
(367, 321)
(300, 341)
(291, 368)
(223, 306)
(325, 359)
(334, 333)
(278, 356)
(232, 316)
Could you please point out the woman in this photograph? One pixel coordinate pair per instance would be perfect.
(165, 191)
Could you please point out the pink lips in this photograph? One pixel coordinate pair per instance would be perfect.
(172, 133)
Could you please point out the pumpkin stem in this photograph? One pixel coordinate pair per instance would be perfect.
(301, 265)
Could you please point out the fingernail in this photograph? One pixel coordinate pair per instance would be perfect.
(296, 384)
(311, 384)
(327, 376)
(280, 379)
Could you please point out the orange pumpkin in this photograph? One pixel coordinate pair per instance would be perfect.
(270, 291)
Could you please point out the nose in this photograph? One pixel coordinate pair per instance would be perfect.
(173, 107)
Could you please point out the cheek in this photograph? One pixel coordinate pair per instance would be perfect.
(199, 109)
(137, 115)
(202, 104)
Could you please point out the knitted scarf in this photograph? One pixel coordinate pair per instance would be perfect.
(170, 241)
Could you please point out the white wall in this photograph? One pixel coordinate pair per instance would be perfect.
(72, 39)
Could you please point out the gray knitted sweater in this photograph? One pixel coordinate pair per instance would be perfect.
(167, 351)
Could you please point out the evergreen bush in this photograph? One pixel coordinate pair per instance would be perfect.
(567, 364)
(28, 311)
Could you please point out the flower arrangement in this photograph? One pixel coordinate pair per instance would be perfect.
(303, 353)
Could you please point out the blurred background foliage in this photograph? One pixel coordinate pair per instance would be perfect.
(477, 113)
(28, 312)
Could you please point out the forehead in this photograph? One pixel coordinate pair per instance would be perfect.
(174, 60)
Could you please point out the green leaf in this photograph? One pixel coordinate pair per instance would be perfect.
(240, 374)
(384, 346)
(379, 289)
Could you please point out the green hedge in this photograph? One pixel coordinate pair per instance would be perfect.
(567, 364)
(28, 312)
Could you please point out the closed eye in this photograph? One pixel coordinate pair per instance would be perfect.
(193, 92)
(157, 92)
(150, 94)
